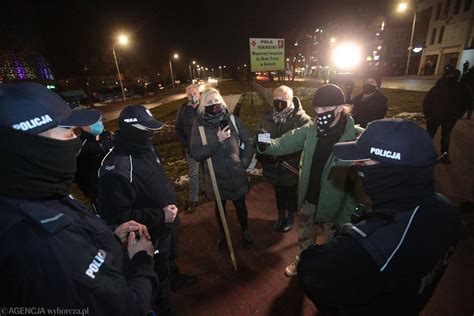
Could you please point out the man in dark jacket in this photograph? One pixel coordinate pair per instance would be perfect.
(54, 252)
(444, 104)
(287, 114)
(184, 125)
(134, 186)
(96, 143)
(391, 260)
(371, 104)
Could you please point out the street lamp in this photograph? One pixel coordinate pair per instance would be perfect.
(220, 68)
(121, 40)
(175, 56)
(402, 7)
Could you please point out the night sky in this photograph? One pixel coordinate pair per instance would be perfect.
(70, 33)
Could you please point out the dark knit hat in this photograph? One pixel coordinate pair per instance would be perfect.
(328, 95)
(376, 77)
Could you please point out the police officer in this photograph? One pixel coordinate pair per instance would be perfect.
(134, 186)
(96, 143)
(391, 260)
(54, 253)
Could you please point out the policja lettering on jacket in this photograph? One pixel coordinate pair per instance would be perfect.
(96, 263)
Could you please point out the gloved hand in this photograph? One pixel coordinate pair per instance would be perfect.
(263, 138)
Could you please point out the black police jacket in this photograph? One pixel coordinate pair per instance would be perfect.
(57, 254)
(89, 160)
(389, 263)
(134, 186)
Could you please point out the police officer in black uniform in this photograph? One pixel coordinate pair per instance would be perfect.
(134, 186)
(54, 252)
(390, 261)
(96, 143)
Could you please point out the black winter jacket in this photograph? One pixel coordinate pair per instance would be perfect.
(57, 254)
(230, 162)
(134, 186)
(447, 100)
(89, 160)
(372, 108)
(184, 124)
(273, 171)
(391, 261)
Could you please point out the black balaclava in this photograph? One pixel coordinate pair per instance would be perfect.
(214, 114)
(36, 167)
(134, 139)
(397, 187)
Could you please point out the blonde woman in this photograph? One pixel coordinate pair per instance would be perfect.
(231, 149)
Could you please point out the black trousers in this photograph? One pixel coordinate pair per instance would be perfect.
(242, 213)
(286, 197)
(446, 129)
(167, 245)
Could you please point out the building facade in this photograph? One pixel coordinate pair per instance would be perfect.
(450, 38)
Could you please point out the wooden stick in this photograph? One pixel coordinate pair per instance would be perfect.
(218, 199)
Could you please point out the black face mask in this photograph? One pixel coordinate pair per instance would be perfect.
(214, 114)
(134, 139)
(279, 105)
(213, 109)
(36, 167)
(368, 88)
(324, 121)
(396, 187)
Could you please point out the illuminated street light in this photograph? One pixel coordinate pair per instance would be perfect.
(347, 56)
(332, 40)
(175, 56)
(402, 7)
(121, 40)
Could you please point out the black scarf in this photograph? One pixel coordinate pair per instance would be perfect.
(36, 167)
(397, 187)
(213, 120)
(134, 140)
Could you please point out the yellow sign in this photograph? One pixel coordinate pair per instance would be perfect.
(267, 54)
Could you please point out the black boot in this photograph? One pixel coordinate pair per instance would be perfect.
(289, 222)
(247, 237)
(278, 226)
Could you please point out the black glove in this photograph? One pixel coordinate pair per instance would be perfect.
(261, 145)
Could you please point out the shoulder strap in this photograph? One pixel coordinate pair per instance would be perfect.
(381, 236)
(232, 118)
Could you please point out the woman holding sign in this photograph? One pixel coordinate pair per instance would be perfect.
(285, 115)
(230, 146)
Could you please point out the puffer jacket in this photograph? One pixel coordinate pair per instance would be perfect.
(228, 160)
(273, 170)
